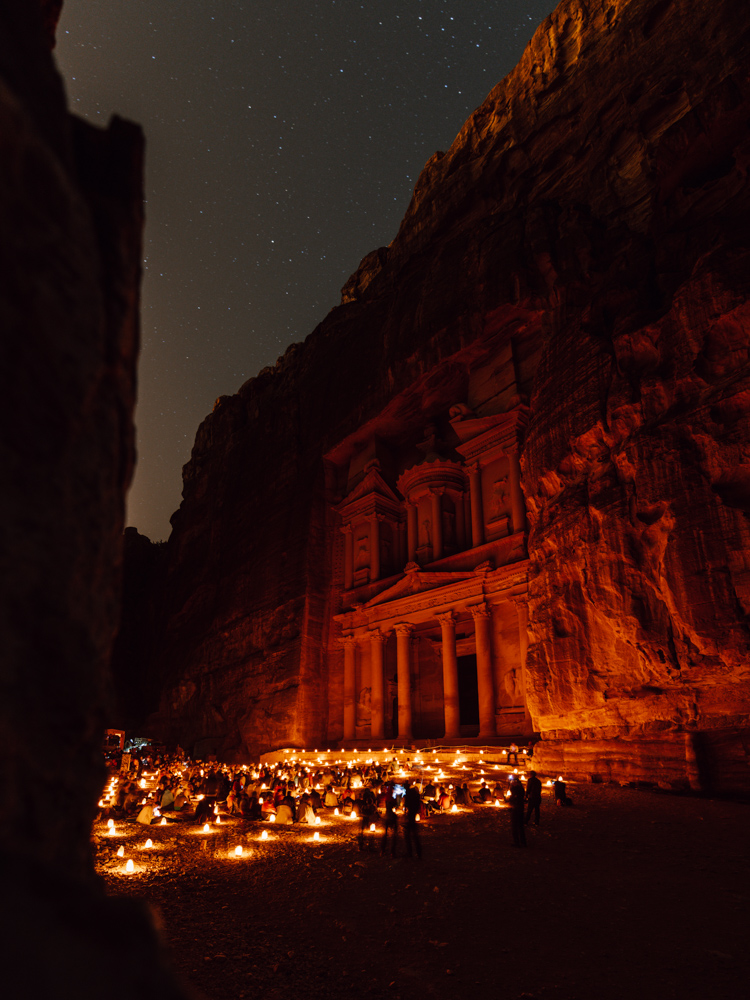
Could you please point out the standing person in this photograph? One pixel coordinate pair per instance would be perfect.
(513, 752)
(533, 797)
(412, 807)
(390, 822)
(517, 797)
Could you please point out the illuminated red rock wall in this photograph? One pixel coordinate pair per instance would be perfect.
(591, 219)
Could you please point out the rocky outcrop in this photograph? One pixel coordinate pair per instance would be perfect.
(592, 218)
(70, 220)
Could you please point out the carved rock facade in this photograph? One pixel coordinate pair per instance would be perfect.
(522, 438)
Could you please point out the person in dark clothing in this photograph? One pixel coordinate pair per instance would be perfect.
(412, 808)
(533, 797)
(561, 794)
(517, 797)
(365, 806)
(390, 823)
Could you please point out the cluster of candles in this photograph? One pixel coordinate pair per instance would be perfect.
(239, 851)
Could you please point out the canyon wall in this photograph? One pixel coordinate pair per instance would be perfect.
(591, 220)
(71, 219)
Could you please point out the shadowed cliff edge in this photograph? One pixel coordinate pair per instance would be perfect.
(576, 264)
(71, 218)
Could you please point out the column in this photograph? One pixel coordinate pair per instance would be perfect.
(412, 528)
(485, 684)
(450, 676)
(350, 700)
(517, 505)
(374, 547)
(403, 643)
(348, 556)
(460, 522)
(477, 514)
(377, 645)
(522, 610)
(436, 505)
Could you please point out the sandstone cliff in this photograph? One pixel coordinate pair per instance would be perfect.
(70, 246)
(593, 213)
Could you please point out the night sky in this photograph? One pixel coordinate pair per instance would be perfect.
(283, 144)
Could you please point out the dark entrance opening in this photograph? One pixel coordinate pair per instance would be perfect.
(468, 692)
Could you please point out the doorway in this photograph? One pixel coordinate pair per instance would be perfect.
(468, 691)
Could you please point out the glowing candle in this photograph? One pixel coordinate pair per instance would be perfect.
(264, 835)
(218, 820)
(206, 828)
(317, 820)
(110, 824)
(316, 835)
(417, 817)
(454, 808)
(163, 821)
(335, 812)
(272, 818)
(372, 828)
(149, 843)
(130, 867)
(121, 851)
(238, 850)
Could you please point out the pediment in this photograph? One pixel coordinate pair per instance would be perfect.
(417, 582)
(373, 484)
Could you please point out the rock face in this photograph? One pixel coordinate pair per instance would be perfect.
(582, 249)
(70, 248)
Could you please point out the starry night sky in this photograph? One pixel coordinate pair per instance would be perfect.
(284, 140)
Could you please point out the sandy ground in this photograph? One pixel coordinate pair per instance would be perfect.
(629, 894)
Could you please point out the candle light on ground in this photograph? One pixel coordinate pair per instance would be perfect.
(206, 828)
(110, 824)
(372, 827)
(264, 835)
(149, 843)
(316, 835)
(163, 821)
(130, 867)
(120, 852)
(238, 850)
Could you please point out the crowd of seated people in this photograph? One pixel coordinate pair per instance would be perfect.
(288, 793)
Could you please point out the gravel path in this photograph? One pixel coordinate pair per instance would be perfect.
(629, 894)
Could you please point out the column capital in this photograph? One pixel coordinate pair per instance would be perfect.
(346, 529)
(437, 491)
(446, 618)
(403, 628)
(377, 635)
(480, 611)
(474, 467)
(376, 517)
(348, 640)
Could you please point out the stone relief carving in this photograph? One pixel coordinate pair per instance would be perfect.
(426, 532)
(364, 706)
(499, 497)
(512, 684)
(449, 525)
(363, 552)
